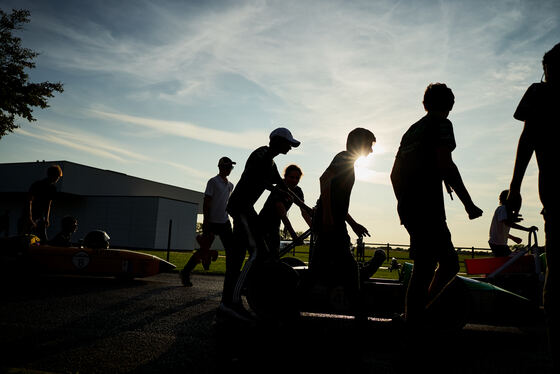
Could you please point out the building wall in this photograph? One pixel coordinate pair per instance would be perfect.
(131, 222)
(134, 212)
(183, 227)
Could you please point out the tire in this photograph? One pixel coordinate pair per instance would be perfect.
(272, 291)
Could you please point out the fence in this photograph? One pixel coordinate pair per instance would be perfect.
(388, 247)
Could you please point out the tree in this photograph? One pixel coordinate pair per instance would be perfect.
(17, 94)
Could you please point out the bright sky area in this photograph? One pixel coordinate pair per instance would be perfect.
(162, 90)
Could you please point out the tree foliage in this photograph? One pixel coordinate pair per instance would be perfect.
(18, 96)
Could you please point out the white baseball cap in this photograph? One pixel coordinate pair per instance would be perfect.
(284, 133)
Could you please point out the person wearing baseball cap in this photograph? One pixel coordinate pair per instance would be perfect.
(216, 219)
(225, 161)
(285, 134)
(260, 174)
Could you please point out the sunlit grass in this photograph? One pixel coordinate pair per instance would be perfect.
(179, 259)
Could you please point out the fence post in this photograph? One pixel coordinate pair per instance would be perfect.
(472, 252)
(169, 238)
(388, 249)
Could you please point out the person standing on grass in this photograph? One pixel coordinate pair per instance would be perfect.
(539, 109)
(215, 217)
(499, 229)
(422, 163)
(275, 210)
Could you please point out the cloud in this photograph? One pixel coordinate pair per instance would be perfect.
(82, 141)
(243, 140)
(89, 143)
(362, 63)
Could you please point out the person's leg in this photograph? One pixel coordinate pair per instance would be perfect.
(372, 265)
(40, 230)
(422, 274)
(448, 261)
(225, 233)
(235, 254)
(195, 258)
(189, 267)
(550, 292)
(271, 237)
(351, 282)
(500, 250)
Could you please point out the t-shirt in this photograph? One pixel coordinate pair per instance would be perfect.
(219, 190)
(42, 192)
(269, 214)
(416, 178)
(342, 169)
(260, 173)
(499, 231)
(540, 109)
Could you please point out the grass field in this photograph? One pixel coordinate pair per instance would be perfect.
(179, 259)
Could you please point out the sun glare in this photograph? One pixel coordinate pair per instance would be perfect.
(363, 172)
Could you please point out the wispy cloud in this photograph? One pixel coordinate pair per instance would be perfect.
(101, 147)
(82, 141)
(244, 140)
(350, 64)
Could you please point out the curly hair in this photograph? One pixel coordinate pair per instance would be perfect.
(438, 97)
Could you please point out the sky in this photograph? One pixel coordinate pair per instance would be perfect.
(161, 90)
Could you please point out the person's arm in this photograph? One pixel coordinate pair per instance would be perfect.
(325, 186)
(206, 204)
(451, 175)
(515, 239)
(30, 216)
(356, 227)
(517, 226)
(306, 216)
(283, 214)
(47, 219)
(525, 149)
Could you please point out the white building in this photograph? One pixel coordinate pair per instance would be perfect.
(135, 212)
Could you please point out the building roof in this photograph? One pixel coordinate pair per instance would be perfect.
(89, 181)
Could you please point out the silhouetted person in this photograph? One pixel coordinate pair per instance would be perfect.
(501, 224)
(332, 260)
(260, 173)
(275, 210)
(97, 239)
(422, 163)
(69, 225)
(540, 110)
(36, 214)
(215, 217)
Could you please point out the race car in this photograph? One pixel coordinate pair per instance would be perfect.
(94, 258)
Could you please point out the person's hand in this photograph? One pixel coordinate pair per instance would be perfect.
(360, 230)
(513, 205)
(473, 211)
(286, 195)
(516, 240)
(297, 241)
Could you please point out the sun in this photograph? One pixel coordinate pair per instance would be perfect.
(361, 168)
